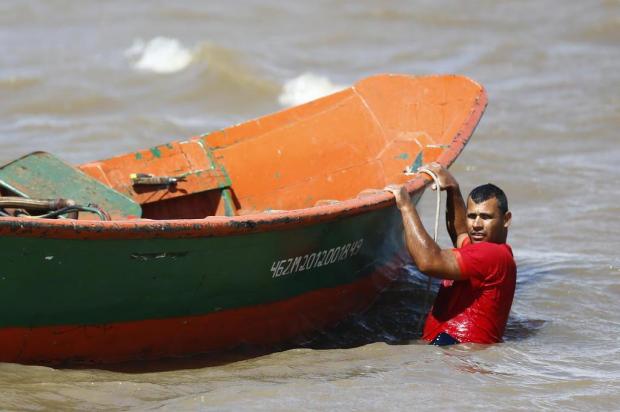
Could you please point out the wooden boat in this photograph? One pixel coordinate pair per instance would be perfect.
(254, 234)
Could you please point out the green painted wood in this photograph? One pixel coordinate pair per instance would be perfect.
(72, 282)
(229, 206)
(41, 175)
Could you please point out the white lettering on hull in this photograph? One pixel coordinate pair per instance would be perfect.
(315, 260)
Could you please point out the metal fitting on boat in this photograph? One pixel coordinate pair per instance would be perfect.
(149, 179)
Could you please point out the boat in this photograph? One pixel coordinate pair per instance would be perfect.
(256, 234)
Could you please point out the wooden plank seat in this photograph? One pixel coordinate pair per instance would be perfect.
(41, 175)
(202, 189)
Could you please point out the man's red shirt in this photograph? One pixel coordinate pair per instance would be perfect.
(476, 308)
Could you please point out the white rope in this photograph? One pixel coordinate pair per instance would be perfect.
(436, 179)
(430, 280)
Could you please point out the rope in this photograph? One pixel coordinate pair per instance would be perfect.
(77, 208)
(91, 208)
(435, 236)
(436, 179)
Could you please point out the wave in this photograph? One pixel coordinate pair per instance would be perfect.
(19, 82)
(305, 88)
(164, 55)
(161, 55)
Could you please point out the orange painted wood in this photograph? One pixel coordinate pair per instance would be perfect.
(159, 338)
(329, 149)
(369, 132)
(188, 159)
(332, 148)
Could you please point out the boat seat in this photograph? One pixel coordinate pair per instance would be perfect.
(41, 175)
(191, 162)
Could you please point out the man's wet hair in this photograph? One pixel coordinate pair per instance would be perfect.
(488, 191)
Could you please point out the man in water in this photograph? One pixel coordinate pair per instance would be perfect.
(479, 275)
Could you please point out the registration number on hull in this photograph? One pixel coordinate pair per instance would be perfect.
(315, 260)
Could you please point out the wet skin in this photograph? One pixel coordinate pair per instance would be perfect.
(481, 222)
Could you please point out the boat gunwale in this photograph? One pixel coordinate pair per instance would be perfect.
(213, 226)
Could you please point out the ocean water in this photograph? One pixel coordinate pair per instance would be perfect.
(88, 80)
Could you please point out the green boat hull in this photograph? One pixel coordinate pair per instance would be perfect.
(52, 284)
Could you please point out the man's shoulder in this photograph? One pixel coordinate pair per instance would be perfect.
(487, 246)
(487, 252)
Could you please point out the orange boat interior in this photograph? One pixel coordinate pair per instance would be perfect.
(331, 149)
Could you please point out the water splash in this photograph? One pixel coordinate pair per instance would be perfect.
(305, 88)
(159, 55)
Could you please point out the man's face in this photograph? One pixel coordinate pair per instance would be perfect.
(486, 223)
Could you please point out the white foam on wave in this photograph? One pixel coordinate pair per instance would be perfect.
(305, 88)
(159, 55)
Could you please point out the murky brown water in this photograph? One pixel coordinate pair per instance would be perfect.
(90, 81)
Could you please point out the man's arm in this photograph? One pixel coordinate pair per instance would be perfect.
(456, 216)
(456, 212)
(426, 253)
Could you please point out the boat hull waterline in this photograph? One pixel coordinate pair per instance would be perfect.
(150, 287)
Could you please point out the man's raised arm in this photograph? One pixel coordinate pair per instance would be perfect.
(426, 253)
